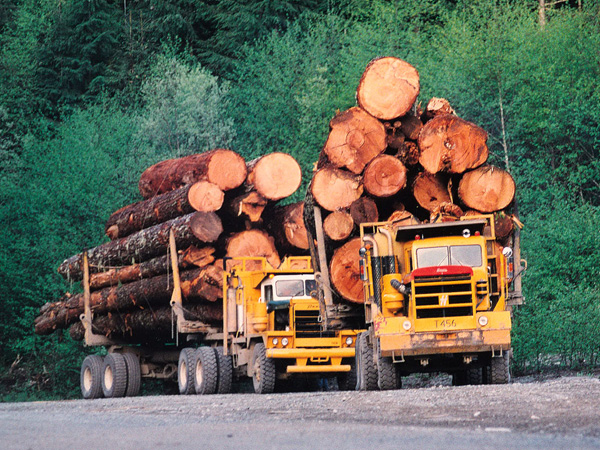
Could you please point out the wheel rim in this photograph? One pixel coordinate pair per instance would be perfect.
(257, 372)
(87, 379)
(182, 374)
(108, 378)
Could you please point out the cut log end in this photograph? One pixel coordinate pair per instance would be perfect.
(364, 210)
(345, 271)
(206, 226)
(338, 225)
(487, 189)
(205, 196)
(384, 176)
(253, 243)
(335, 189)
(275, 176)
(430, 190)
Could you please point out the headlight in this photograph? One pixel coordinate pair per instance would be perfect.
(284, 341)
(407, 325)
(349, 340)
(483, 321)
(275, 341)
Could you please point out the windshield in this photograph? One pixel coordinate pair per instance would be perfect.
(455, 255)
(289, 288)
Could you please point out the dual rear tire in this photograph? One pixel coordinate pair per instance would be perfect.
(205, 370)
(115, 375)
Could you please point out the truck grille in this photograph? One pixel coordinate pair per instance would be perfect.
(309, 326)
(447, 296)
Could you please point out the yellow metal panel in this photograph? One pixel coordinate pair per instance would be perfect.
(317, 342)
(347, 352)
(319, 369)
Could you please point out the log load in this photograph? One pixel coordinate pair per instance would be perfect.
(253, 243)
(286, 224)
(487, 189)
(274, 176)
(364, 210)
(249, 204)
(202, 196)
(436, 107)
(344, 271)
(388, 88)
(196, 284)
(451, 144)
(338, 225)
(147, 243)
(355, 139)
(222, 167)
(335, 189)
(430, 190)
(384, 176)
(146, 324)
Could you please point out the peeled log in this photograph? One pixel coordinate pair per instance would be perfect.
(146, 244)
(487, 189)
(355, 139)
(384, 176)
(286, 224)
(338, 225)
(274, 176)
(253, 243)
(431, 190)
(344, 271)
(222, 167)
(364, 210)
(388, 88)
(451, 144)
(335, 188)
(201, 196)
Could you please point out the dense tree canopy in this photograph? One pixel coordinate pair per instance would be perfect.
(93, 92)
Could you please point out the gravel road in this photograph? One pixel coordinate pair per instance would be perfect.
(552, 414)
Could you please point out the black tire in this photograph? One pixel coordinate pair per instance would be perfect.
(134, 374)
(387, 377)
(90, 378)
(206, 372)
(265, 372)
(347, 380)
(114, 376)
(225, 371)
(185, 371)
(500, 369)
(474, 375)
(366, 368)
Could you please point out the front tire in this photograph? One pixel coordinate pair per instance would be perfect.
(387, 376)
(91, 377)
(500, 369)
(347, 380)
(265, 372)
(365, 366)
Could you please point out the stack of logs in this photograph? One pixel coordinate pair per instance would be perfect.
(216, 205)
(388, 159)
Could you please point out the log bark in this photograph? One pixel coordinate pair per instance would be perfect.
(146, 324)
(335, 188)
(286, 224)
(146, 244)
(274, 176)
(338, 225)
(192, 256)
(411, 126)
(201, 196)
(409, 153)
(355, 139)
(388, 88)
(250, 204)
(487, 189)
(344, 271)
(451, 144)
(253, 243)
(430, 190)
(364, 210)
(222, 167)
(384, 176)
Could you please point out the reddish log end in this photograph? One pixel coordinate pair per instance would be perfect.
(487, 189)
(335, 188)
(384, 176)
(338, 225)
(205, 196)
(275, 176)
(345, 271)
(431, 190)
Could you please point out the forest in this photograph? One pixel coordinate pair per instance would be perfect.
(94, 91)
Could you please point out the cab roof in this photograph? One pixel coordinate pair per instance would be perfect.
(432, 230)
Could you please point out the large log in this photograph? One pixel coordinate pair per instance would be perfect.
(344, 271)
(202, 283)
(355, 139)
(192, 256)
(335, 188)
(274, 176)
(384, 176)
(146, 324)
(147, 243)
(250, 204)
(253, 243)
(338, 225)
(436, 107)
(364, 210)
(451, 144)
(431, 190)
(487, 189)
(201, 196)
(388, 88)
(286, 224)
(222, 167)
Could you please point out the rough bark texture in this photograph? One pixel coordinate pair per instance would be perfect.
(487, 189)
(274, 176)
(451, 144)
(335, 188)
(384, 176)
(344, 271)
(147, 243)
(364, 210)
(388, 88)
(253, 243)
(355, 139)
(222, 167)
(338, 225)
(409, 153)
(431, 190)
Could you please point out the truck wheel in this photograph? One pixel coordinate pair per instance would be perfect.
(206, 372)
(134, 374)
(225, 370)
(185, 371)
(265, 372)
(91, 377)
(114, 376)
(474, 375)
(387, 377)
(366, 369)
(500, 369)
(347, 380)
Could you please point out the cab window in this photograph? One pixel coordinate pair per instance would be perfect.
(289, 288)
(455, 255)
(311, 287)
